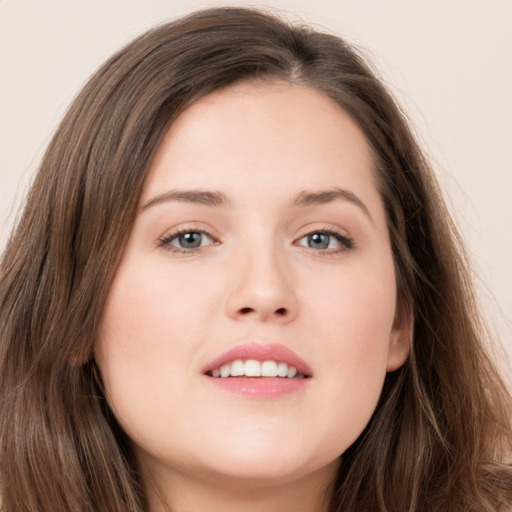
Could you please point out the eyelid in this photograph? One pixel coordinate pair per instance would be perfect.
(343, 237)
(165, 240)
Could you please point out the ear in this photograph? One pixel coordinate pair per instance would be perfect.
(400, 340)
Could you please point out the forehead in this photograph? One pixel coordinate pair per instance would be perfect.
(262, 136)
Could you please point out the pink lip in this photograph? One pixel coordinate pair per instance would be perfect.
(252, 350)
(260, 387)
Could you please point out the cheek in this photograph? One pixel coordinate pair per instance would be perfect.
(150, 308)
(356, 312)
(354, 317)
(151, 327)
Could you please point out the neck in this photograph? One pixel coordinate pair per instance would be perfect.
(196, 493)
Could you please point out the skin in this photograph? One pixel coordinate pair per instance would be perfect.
(255, 277)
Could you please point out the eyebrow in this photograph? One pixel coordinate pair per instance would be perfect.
(202, 197)
(216, 198)
(309, 198)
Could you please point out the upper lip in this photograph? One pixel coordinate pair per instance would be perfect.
(252, 350)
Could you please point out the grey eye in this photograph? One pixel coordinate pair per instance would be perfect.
(318, 240)
(191, 240)
(325, 240)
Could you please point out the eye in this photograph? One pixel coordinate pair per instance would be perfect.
(329, 241)
(186, 241)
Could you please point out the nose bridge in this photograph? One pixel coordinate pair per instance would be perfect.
(262, 287)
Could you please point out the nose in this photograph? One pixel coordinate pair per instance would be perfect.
(262, 289)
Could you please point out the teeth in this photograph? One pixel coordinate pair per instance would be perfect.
(282, 369)
(269, 369)
(292, 371)
(253, 368)
(225, 370)
(237, 368)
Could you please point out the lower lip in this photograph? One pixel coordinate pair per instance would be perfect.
(260, 387)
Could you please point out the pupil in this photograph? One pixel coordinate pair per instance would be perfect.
(319, 241)
(190, 240)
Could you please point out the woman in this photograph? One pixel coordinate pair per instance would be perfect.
(235, 284)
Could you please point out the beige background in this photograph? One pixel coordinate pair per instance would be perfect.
(448, 61)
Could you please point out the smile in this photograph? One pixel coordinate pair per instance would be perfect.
(254, 368)
(259, 371)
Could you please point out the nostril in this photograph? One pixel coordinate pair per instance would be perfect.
(280, 312)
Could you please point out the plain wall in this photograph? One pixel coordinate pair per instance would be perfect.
(449, 63)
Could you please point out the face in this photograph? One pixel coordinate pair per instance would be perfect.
(260, 252)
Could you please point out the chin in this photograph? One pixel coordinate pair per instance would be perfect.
(275, 463)
(266, 473)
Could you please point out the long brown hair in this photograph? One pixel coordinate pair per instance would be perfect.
(441, 433)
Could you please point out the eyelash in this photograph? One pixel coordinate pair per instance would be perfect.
(165, 242)
(347, 243)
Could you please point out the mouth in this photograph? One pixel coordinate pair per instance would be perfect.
(259, 371)
(254, 368)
